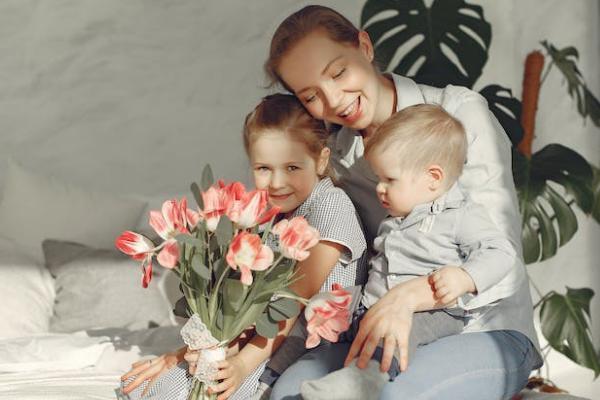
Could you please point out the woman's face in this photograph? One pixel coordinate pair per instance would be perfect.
(335, 82)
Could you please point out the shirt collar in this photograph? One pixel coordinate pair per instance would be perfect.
(407, 92)
(453, 198)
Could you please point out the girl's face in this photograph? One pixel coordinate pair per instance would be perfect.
(335, 82)
(284, 168)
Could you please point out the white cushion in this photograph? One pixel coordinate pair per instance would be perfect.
(35, 208)
(26, 293)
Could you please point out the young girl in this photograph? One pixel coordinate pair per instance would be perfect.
(289, 158)
(320, 57)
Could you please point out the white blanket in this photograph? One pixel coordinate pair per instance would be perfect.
(82, 366)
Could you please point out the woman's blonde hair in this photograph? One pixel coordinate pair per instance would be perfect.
(420, 136)
(284, 113)
(301, 23)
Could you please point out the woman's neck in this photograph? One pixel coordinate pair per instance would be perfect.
(386, 104)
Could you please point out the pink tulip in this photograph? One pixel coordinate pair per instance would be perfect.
(135, 245)
(296, 237)
(169, 222)
(247, 252)
(217, 201)
(139, 248)
(327, 315)
(146, 273)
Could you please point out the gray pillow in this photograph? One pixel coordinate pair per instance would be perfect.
(101, 288)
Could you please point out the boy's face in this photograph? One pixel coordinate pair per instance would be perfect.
(399, 191)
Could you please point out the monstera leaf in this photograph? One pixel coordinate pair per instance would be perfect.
(565, 326)
(587, 104)
(596, 189)
(543, 233)
(507, 110)
(445, 43)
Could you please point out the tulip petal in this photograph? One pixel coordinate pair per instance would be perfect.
(169, 255)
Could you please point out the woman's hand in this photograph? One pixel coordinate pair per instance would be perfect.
(390, 320)
(151, 369)
(232, 373)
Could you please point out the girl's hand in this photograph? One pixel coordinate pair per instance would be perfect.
(151, 369)
(390, 320)
(232, 373)
(449, 283)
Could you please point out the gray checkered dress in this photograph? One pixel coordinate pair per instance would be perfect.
(331, 212)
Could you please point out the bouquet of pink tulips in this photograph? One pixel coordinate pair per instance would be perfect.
(230, 277)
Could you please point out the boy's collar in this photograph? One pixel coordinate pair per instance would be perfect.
(452, 198)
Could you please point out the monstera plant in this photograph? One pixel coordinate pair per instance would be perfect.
(447, 42)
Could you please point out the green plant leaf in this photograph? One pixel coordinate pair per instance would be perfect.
(544, 233)
(234, 293)
(564, 325)
(445, 43)
(200, 268)
(224, 231)
(283, 308)
(196, 192)
(188, 240)
(207, 178)
(506, 109)
(596, 190)
(565, 59)
(266, 326)
(182, 308)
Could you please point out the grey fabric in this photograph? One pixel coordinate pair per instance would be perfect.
(92, 287)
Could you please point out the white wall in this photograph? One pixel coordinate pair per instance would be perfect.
(135, 96)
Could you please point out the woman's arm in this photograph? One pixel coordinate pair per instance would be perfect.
(313, 272)
(390, 320)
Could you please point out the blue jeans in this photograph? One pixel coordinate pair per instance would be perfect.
(481, 365)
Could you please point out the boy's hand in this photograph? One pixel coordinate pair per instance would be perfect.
(449, 283)
(232, 373)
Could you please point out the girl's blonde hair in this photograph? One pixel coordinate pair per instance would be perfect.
(301, 23)
(284, 113)
(420, 136)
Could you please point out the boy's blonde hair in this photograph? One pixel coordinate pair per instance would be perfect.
(285, 114)
(420, 136)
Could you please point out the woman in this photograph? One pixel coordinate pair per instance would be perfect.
(319, 56)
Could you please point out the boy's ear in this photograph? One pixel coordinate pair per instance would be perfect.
(436, 176)
(323, 160)
(365, 45)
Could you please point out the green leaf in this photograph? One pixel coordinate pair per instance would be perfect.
(448, 26)
(219, 267)
(596, 190)
(565, 59)
(558, 165)
(506, 109)
(266, 326)
(182, 308)
(207, 178)
(224, 231)
(188, 240)
(234, 293)
(199, 267)
(196, 192)
(566, 328)
(283, 308)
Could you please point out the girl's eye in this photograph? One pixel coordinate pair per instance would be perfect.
(262, 169)
(339, 73)
(292, 168)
